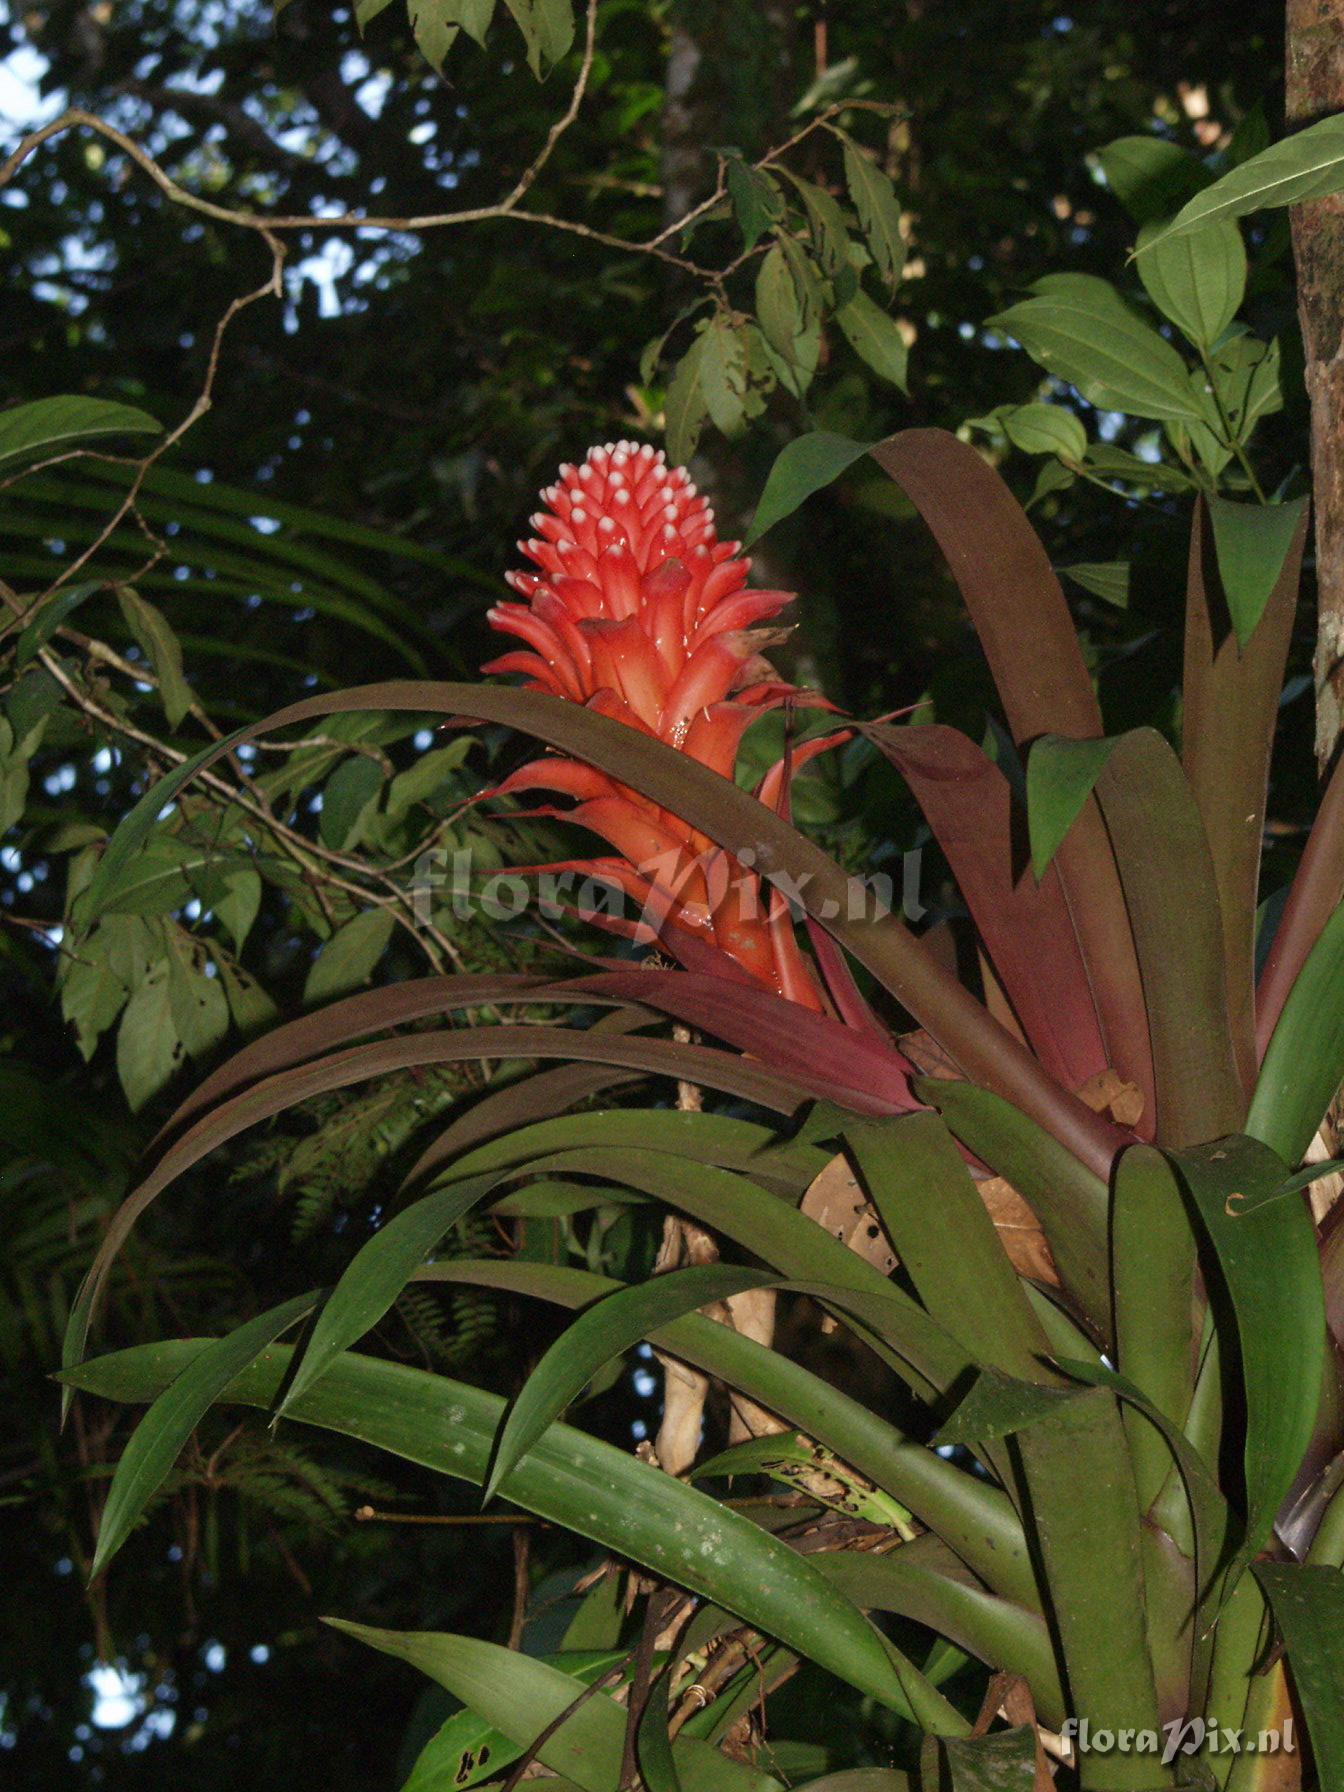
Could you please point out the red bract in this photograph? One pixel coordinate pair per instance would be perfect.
(640, 612)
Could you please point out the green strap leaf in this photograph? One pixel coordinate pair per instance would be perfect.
(1002, 1762)
(946, 1241)
(160, 1436)
(1153, 1272)
(1252, 543)
(925, 1582)
(1268, 1258)
(518, 1695)
(1160, 846)
(805, 466)
(582, 1483)
(1087, 1522)
(608, 1330)
(1308, 1607)
(1072, 1204)
(376, 1276)
(1304, 1063)
(466, 1750)
(898, 1328)
(975, 1518)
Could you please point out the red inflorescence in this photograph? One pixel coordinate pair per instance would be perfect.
(640, 612)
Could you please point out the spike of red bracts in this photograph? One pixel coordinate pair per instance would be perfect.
(639, 611)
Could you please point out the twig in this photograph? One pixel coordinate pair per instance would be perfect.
(539, 1742)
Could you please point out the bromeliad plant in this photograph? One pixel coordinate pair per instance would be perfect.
(1110, 1524)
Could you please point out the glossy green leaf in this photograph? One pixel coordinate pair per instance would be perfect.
(48, 426)
(467, 1750)
(1151, 176)
(57, 610)
(805, 466)
(588, 1486)
(518, 1695)
(791, 1243)
(1153, 1271)
(346, 796)
(875, 338)
(348, 958)
(1304, 1063)
(878, 208)
(1308, 165)
(1087, 1524)
(1046, 429)
(973, 1516)
(1004, 1761)
(926, 1583)
(1268, 1261)
(377, 1274)
(942, 1233)
(161, 648)
(1196, 281)
(604, 1331)
(162, 1433)
(1252, 543)
(1107, 579)
(1072, 1204)
(685, 408)
(744, 1145)
(1087, 334)
(1157, 836)
(1061, 775)
(1308, 1607)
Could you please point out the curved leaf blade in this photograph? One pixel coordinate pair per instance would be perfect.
(162, 1433)
(605, 1331)
(579, 1482)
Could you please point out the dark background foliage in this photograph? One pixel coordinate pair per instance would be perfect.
(426, 386)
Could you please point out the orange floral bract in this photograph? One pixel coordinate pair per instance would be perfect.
(639, 611)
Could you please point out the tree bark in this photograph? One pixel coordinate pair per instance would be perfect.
(1315, 87)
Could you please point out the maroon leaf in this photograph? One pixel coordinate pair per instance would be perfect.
(834, 1061)
(1025, 926)
(339, 1070)
(1231, 707)
(1317, 891)
(1020, 615)
(733, 819)
(1167, 870)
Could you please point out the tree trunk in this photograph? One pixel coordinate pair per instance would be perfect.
(1315, 86)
